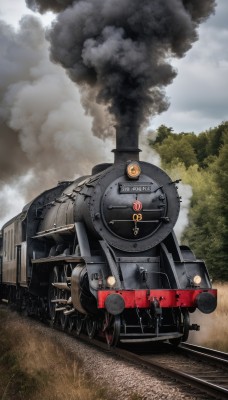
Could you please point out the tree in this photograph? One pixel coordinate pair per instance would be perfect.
(207, 233)
(200, 147)
(173, 150)
(163, 132)
(217, 137)
(221, 176)
(202, 162)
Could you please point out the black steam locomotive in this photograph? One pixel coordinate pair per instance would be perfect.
(99, 254)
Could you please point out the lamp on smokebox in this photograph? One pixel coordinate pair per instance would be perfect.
(197, 280)
(111, 281)
(133, 170)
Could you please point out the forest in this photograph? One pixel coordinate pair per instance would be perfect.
(202, 162)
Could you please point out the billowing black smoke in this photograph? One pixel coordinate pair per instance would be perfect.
(50, 5)
(121, 50)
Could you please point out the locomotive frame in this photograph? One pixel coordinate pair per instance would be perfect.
(100, 253)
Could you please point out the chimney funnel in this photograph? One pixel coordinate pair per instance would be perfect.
(126, 145)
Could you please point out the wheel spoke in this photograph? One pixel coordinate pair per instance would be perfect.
(186, 324)
(111, 329)
(183, 323)
(78, 325)
(71, 324)
(91, 327)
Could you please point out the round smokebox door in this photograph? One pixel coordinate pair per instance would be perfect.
(133, 209)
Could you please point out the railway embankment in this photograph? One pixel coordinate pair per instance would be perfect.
(37, 362)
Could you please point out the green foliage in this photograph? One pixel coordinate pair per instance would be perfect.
(162, 133)
(202, 162)
(173, 150)
(203, 148)
(217, 138)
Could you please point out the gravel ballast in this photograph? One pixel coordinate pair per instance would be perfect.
(128, 381)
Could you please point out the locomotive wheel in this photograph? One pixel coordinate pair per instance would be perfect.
(63, 321)
(53, 294)
(71, 324)
(183, 325)
(111, 329)
(30, 309)
(78, 325)
(91, 327)
(175, 342)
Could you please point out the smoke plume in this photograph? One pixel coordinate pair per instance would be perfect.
(44, 134)
(185, 192)
(51, 5)
(117, 51)
(122, 50)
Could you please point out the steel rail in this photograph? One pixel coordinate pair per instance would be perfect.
(212, 389)
(206, 352)
(203, 385)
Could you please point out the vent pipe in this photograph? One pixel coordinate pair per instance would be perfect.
(126, 145)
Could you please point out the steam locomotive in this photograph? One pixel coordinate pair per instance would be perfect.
(99, 255)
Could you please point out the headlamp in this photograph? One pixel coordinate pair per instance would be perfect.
(197, 280)
(111, 281)
(133, 170)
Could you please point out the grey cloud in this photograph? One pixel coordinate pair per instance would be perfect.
(199, 94)
(219, 21)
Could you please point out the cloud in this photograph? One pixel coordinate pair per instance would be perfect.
(219, 22)
(12, 11)
(199, 94)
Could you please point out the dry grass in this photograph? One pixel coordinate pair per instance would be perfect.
(213, 327)
(33, 367)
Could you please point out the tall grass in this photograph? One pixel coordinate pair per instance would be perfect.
(213, 327)
(33, 367)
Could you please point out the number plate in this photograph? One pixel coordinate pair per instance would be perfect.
(130, 188)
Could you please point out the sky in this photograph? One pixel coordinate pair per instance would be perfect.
(198, 95)
(198, 100)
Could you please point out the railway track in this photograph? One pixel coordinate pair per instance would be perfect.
(210, 354)
(203, 369)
